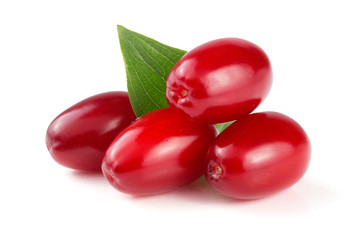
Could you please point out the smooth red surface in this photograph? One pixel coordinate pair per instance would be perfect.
(220, 81)
(79, 137)
(258, 155)
(159, 152)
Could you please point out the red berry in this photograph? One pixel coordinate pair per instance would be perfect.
(258, 155)
(159, 152)
(220, 81)
(79, 137)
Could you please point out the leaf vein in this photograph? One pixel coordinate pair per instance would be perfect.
(160, 53)
(142, 85)
(144, 61)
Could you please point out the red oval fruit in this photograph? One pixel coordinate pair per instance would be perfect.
(258, 155)
(79, 136)
(220, 81)
(159, 152)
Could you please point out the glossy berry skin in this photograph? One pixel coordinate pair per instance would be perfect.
(159, 152)
(79, 136)
(220, 81)
(258, 155)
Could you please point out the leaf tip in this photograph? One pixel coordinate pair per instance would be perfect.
(120, 28)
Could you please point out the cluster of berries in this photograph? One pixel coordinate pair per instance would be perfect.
(220, 81)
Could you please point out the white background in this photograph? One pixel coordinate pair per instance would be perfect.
(56, 53)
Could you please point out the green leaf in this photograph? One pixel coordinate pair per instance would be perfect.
(147, 64)
(222, 126)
